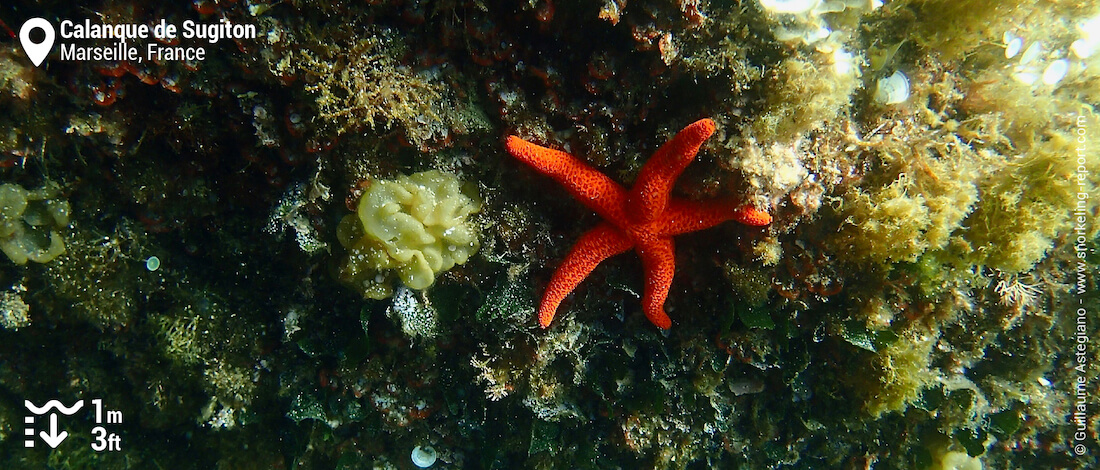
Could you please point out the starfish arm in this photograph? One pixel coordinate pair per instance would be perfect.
(596, 245)
(651, 191)
(684, 216)
(592, 188)
(659, 260)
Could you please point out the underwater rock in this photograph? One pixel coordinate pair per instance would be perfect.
(14, 312)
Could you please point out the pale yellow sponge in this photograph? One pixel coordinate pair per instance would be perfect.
(957, 461)
(414, 227)
(29, 221)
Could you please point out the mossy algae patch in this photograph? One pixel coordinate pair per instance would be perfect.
(1026, 205)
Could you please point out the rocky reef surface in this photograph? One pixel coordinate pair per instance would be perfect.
(175, 247)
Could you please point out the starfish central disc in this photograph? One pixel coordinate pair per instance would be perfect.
(644, 218)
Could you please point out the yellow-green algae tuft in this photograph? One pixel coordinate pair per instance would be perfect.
(807, 94)
(897, 374)
(1027, 204)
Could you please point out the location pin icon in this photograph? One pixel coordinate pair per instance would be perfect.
(36, 51)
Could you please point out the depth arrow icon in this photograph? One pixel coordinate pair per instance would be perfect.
(54, 438)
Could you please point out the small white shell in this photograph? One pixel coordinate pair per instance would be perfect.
(1082, 48)
(1026, 77)
(1013, 44)
(1090, 38)
(1055, 72)
(893, 89)
(818, 34)
(1031, 53)
(424, 457)
(843, 62)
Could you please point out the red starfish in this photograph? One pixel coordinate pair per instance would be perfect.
(645, 218)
